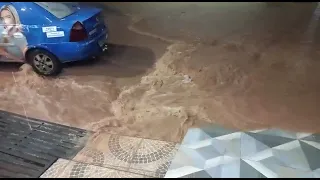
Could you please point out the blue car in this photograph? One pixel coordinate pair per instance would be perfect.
(48, 34)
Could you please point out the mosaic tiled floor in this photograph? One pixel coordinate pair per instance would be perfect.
(116, 156)
(71, 169)
(215, 152)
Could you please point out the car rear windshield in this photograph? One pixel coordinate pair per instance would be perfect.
(59, 9)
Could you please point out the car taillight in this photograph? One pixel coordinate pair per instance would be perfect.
(78, 33)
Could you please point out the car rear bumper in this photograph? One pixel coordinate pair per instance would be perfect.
(84, 50)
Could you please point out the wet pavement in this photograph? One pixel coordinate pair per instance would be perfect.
(176, 65)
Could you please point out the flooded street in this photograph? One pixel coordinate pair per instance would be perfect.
(176, 65)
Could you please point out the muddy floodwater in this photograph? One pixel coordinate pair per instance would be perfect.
(172, 66)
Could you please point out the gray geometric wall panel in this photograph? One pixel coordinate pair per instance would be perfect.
(215, 152)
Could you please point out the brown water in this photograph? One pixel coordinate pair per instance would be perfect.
(173, 66)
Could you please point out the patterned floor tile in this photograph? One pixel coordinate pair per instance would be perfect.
(109, 151)
(153, 157)
(256, 154)
(148, 174)
(82, 170)
(56, 169)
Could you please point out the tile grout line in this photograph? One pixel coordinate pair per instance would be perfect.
(148, 171)
(126, 169)
(64, 169)
(135, 152)
(118, 168)
(111, 168)
(138, 137)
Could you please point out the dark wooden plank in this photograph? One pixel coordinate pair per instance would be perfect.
(18, 169)
(61, 131)
(45, 137)
(19, 161)
(27, 155)
(69, 138)
(6, 173)
(38, 152)
(28, 147)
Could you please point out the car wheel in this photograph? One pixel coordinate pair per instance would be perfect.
(44, 63)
